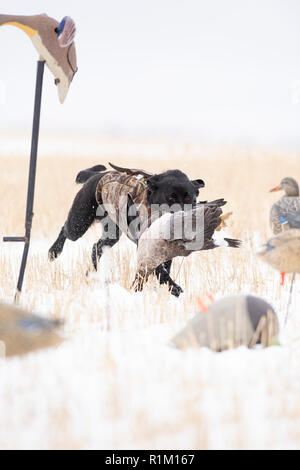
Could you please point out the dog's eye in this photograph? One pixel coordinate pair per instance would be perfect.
(172, 197)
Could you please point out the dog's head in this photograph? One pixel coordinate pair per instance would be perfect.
(173, 188)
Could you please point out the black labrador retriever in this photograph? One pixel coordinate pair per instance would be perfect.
(102, 188)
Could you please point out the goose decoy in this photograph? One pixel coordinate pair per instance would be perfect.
(56, 48)
(229, 323)
(22, 332)
(179, 234)
(282, 252)
(291, 219)
(54, 42)
(289, 203)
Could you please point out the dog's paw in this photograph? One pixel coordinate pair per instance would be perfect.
(91, 273)
(53, 254)
(176, 290)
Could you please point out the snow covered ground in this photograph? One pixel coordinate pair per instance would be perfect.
(115, 382)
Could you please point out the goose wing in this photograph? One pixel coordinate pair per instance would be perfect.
(286, 207)
(197, 224)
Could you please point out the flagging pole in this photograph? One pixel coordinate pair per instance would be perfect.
(54, 42)
(31, 175)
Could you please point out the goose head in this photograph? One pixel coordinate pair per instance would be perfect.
(289, 186)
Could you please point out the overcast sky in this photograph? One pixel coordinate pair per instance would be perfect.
(217, 70)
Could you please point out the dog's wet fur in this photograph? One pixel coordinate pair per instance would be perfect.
(171, 188)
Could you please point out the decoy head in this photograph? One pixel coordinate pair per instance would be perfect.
(289, 185)
(65, 31)
(54, 42)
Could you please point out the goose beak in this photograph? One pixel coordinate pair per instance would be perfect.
(277, 188)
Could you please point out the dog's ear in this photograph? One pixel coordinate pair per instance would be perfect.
(152, 183)
(198, 184)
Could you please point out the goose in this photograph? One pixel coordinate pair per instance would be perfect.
(228, 323)
(22, 331)
(289, 203)
(180, 234)
(54, 42)
(282, 252)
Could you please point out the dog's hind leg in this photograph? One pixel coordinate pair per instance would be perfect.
(162, 272)
(81, 216)
(110, 237)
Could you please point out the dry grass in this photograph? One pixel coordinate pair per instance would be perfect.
(115, 382)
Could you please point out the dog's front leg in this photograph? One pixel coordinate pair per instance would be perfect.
(57, 246)
(162, 272)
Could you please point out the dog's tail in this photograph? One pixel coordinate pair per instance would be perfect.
(84, 175)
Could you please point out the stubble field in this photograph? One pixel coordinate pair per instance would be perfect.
(114, 382)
